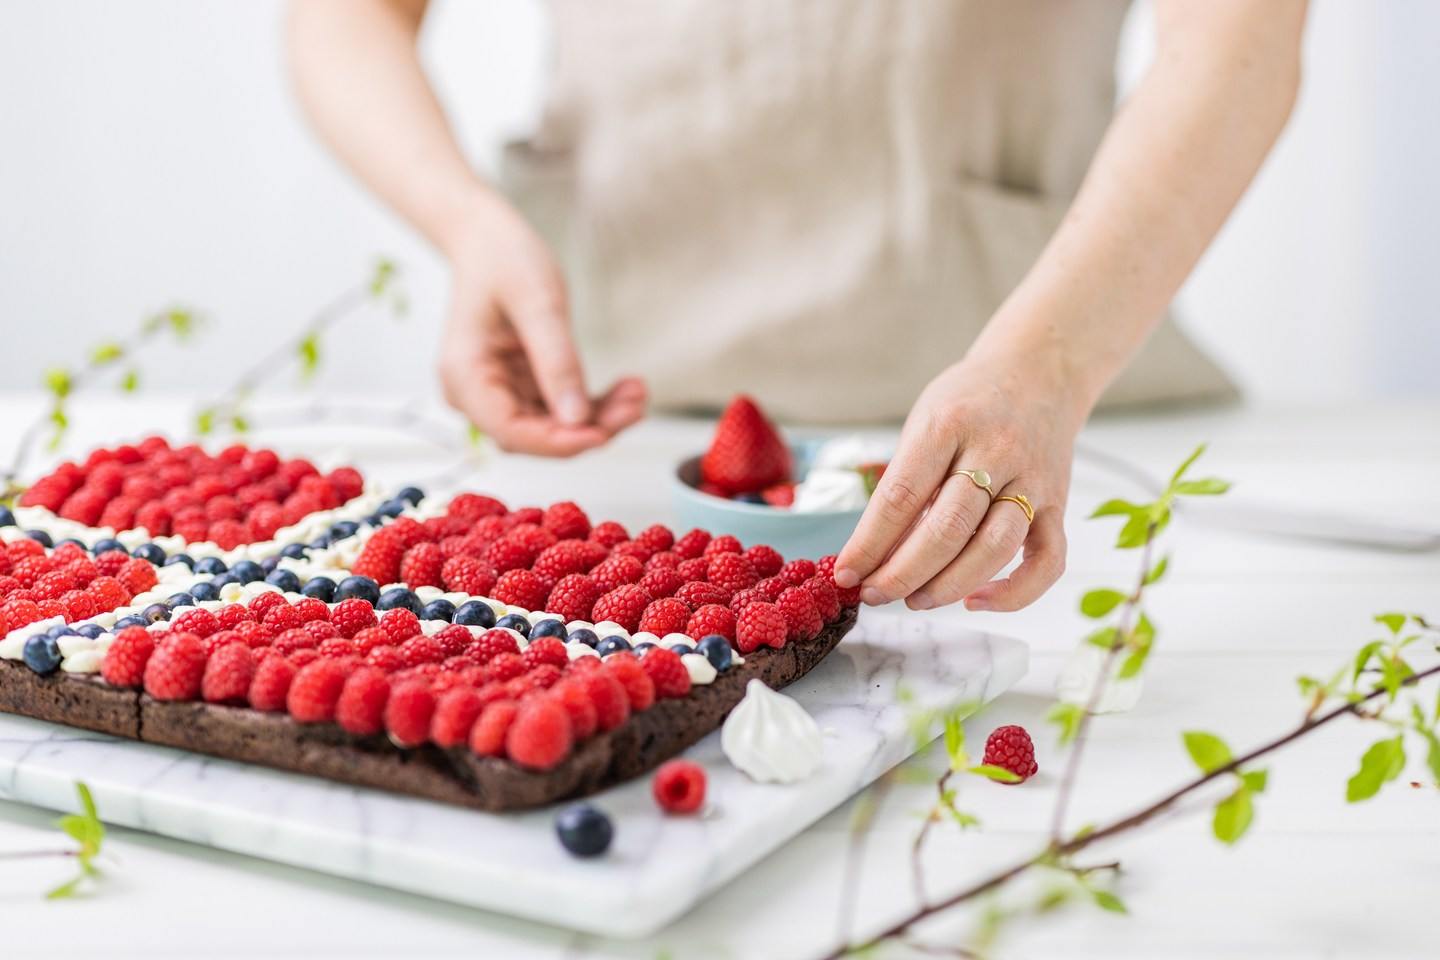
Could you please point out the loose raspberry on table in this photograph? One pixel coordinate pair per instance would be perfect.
(455, 713)
(506, 666)
(731, 571)
(571, 695)
(487, 735)
(608, 533)
(638, 685)
(573, 597)
(176, 668)
(617, 570)
(124, 663)
(801, 613)
(545, 650)
(797, 572)
(422, 565)
(522, 588)
(466, 574)
(661, 582)
(566, 521)
(760, 624)
(491, 644)
(699, 593)
(692, 544)
(624, 605)
(827, 601)
(1010, 747)
(655, 538)
(679, 786)
(400, 624)
(315, 691)
(540, 736)
(194, 620)
(228, 674)
(418, 650)
(265, 602)
(408, 712)
(711, 618)
(612, 704)
(361, 707)
(352, 615)
(666, 615)
(669, 675)
(772, 587)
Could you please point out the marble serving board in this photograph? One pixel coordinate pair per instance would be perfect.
(659, 866)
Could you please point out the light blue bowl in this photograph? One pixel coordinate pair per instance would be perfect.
(811, 535)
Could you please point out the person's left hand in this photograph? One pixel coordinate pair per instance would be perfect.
(932, 537)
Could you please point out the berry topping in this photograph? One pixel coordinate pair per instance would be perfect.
(540, 736)
(761, 624)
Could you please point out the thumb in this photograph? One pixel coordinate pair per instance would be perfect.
(537, 308)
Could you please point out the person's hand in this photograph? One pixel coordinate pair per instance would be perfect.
(931, 537)
(507, 358)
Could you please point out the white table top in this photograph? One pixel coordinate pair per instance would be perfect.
(1239, 619)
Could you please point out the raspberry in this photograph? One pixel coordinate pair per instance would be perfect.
(473, 506)
(655, 538)
(711, 618)
(801, 613)
(624, 605)
(311, 610)
(124, 663)
(661, 582)
(797, 572)
(418, 650)
(565, 557)
(722, 544)
(609, 534)
(108, 563)
(523, 588)
(408, 713)
(52, 585)
(571, 695)
(664, 560)
(399, 625)
(772, 587)
(265, 521)
(462, 574)
(639, 687)
(671, 678)
(573, 597)
(361, 707)
(175, 669)
(227, 534)
(633, 549)
(566, 521)
(506, 555)
(271, 683)
(19, 613)
(194, 620)
(731, 571)
(542, 677)
(616, 571)
(1010, 747)
(491, 644)
(455, 713)
(137, 576)
(421, 566)
(744, 598)
(385, 658)
(264, 603)
(352, 615)
(692, 544)
(154, 517)
(760, 624)
(506, 666)
(679, 786)
(228, 673)
(453, 640)
(282, 617)
(321, 630)
(694, 570)
(612, 704)
(232, 615)
(487, 736)
(540, 736)
(666, 615)
(380, 558)
(698, 593)
(303, 658)
(50, 608)
(293, 641)
(336, 647)
(827, 601)
(765, 559)
(253, 634)
(315, 691)
(545, 650)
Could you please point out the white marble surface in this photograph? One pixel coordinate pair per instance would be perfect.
(658, 867)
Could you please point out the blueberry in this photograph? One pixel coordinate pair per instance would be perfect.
(177, 600)
(549, 627)
(362, 588)
(224, 580)
(375, 520)
(679, 649)
(106, 545)
(391, 508)
(749, 498)
(586, 636)
(612, 645)
(148, 551)
(130, 621)
(411, 495)
(247, 571)
(643, 648)
(343, 529)
(184, 558)
(475, 613)
(154, 612)
(438, 609)
(515, 622)
(40, 537)
(294, 551)
(60, 630)
(210, 566)
(78, 543)
(89, 630)
(7, 519)
(584, 830)
(42, 654)
(717, 650)
(321, 588)
(319, 543)
(399, 597)
(205, 590)
(284, 579)
(270, 564)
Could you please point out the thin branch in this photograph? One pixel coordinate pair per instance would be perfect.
(36, 854)
(917, 869)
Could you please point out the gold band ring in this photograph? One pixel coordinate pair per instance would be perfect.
(980, 478)
(1020, 501)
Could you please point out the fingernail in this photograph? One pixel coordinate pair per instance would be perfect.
(976, 604)
(921, 601)
(845, 578)
(873, 596)
(573, 409)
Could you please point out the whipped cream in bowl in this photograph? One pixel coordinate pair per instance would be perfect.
(770, 738)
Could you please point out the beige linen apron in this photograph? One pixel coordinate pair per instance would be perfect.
(819, 202)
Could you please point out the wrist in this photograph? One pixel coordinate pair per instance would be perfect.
(1040, 360)
(466, 224)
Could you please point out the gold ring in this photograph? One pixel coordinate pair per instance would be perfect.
(980, 478)
(1024, 504)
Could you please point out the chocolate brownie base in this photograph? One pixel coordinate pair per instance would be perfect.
(454, 776)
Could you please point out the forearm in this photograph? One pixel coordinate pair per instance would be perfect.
(1174, 162)
(358, 75)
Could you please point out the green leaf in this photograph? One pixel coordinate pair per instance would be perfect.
(1106, 900)
(998, 774)
(181, 322)
(1362, 657)
(1097, 603)
(1180, 470)
(1067, 717)
(962, 819)
(106, 353)
(1104, 638)
(1255, 780)
(1144, 632)
(1115, 508)
(1395, 622)
(1158, 571)
(1136, 532)
(130, 382)
(474, 435)
(59, 382)
(309, 350)
(1133, 663)
(61, 423)
(1207, 750)
(1209, 487)
(1233, 816)
(64, 890)
(238, 423)
(381, 276)
(1380, 764)
(1432, 754)
(1393, 672)
(955, 741)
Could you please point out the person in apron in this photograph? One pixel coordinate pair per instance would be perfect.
(928, 210)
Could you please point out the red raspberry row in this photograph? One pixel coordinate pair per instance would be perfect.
(36, 584)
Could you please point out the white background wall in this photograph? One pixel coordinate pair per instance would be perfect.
(150, 152)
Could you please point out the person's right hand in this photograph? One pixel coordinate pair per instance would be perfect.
(507, 358)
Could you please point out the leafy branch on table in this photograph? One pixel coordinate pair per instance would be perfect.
(88, 833)
(1377, 685)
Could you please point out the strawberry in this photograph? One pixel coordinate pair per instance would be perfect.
(746, 454)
